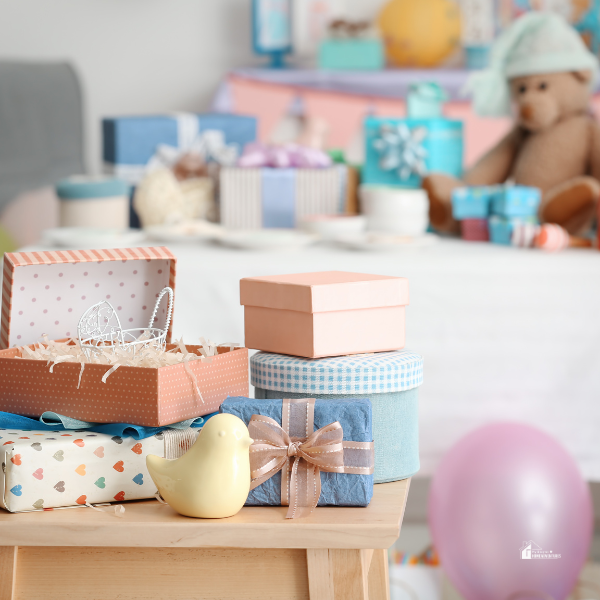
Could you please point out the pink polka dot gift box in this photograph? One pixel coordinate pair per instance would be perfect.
(46, 293)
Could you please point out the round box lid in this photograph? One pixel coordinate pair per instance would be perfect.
(376, 373)
(82, 187)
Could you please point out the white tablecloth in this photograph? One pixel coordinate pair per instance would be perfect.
(507, 334)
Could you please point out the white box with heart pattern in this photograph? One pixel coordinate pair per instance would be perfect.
(42, 470)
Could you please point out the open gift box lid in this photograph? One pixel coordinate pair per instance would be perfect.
(48, 292)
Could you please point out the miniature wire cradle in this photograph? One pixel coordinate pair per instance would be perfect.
(99, 329)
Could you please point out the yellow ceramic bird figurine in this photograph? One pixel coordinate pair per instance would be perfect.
(212, 479)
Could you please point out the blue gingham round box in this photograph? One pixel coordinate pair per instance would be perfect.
(389, 379)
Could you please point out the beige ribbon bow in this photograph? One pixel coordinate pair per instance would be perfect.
(301, 454)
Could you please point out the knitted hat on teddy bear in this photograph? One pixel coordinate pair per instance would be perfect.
(537, 42)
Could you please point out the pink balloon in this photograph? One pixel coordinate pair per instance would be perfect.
(498, 489)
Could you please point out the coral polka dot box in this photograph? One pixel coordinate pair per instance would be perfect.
(90, 380)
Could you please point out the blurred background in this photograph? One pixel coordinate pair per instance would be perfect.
(142, 122)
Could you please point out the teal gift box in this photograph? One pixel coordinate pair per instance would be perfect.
(472, 202)
(400, 152)
(351, 54)
(501, 228)
(425, 100)
(516, 201)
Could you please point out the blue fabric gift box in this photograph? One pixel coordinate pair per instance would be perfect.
(399, 152)
(516, 201)
(130, 142)
(501, 228)
(339, 489)
(252, 198)
(472, 202)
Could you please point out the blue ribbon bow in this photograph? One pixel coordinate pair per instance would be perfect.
(400, 149)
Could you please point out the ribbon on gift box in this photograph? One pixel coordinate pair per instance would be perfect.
(279, 164)
(301, 454)
(401, 149)
(209, 145)
(283, 156)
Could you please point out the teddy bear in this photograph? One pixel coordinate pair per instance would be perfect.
(542, 68)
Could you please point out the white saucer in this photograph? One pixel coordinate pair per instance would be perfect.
(92, 237)
(385, 241)
(190, 231)
(267, 239)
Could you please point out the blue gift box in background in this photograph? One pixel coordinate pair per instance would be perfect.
(516, 201)
(399, 152)
(352, 54)
(130, 142)
(472, 202)
(501, 228)
(338, 489)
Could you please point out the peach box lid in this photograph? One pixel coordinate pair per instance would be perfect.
(326, 291)
(48, 292)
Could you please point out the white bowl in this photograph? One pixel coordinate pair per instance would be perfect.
(188, 231)
(385, 241)
(333, 226)
(93, 237)
(395, 210)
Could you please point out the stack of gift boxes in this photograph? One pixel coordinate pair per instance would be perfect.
(250, 194)
(497, 213)
(400, 151)
(133, 146)
(75, 434)
(72, 435)
(338, 337)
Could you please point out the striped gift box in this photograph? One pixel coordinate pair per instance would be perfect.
(265, 197)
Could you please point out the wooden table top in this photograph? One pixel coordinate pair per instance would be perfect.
(151, 524)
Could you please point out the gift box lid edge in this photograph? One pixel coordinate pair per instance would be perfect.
(291, 374)
(313, 293)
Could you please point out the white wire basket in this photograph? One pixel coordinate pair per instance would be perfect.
(99, 330)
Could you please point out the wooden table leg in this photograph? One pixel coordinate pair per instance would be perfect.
(8, 572)
(320, 583)
(338, 574)
(379, 578)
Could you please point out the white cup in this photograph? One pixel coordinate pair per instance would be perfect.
(395, 210)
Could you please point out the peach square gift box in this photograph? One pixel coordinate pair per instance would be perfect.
(47, 292)
(332, 313)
